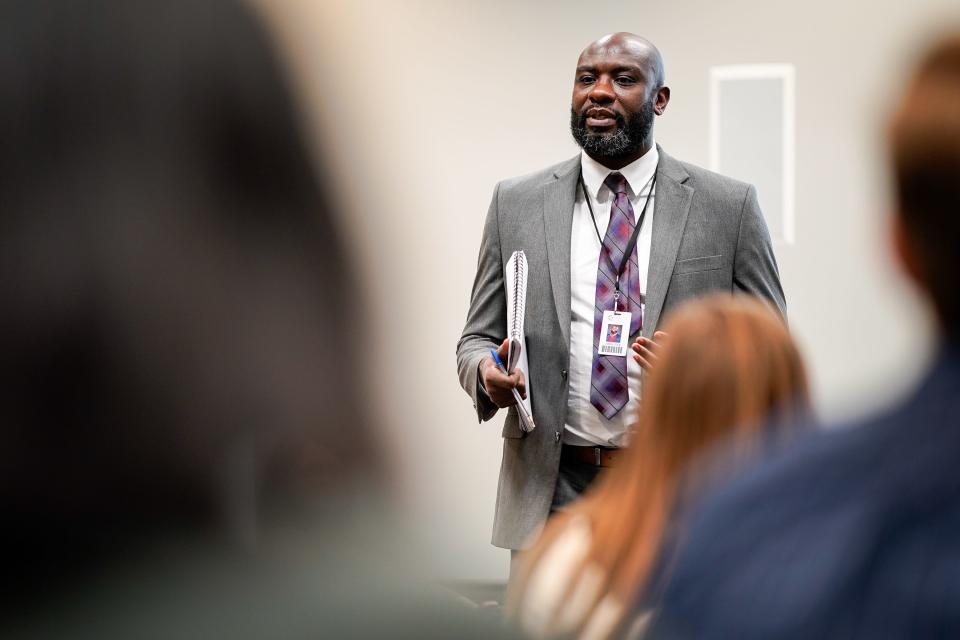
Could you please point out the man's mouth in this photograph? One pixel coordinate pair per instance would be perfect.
(601, 118)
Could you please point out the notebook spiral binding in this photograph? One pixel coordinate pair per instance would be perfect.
(519, 301)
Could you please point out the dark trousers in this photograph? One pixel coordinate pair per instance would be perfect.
(574, 478)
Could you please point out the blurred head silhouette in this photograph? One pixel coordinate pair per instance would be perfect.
(174, 288)
(729, 373)
(924, 137)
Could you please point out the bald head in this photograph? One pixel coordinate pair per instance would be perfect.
(629, 45)
(617, 92)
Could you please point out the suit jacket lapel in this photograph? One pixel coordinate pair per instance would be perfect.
(671, 206)
(558, 199)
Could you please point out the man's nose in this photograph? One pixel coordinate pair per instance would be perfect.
(602, 91)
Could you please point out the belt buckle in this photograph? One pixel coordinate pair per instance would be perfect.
(598, 456)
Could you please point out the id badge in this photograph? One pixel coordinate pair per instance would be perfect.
(614, 333)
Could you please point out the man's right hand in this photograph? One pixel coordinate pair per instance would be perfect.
(498, 384)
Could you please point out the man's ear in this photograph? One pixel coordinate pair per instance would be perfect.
(905, 253)
(663, 97)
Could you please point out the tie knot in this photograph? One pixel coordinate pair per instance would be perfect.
(616, 183)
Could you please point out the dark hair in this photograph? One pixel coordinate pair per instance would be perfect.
(925, 145)
(174, 287)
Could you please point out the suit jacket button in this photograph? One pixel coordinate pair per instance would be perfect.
(556, 437)
(563, 374)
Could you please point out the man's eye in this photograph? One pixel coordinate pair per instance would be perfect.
(586, 79)
(626, 80)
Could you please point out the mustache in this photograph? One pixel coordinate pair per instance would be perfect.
(582, 118)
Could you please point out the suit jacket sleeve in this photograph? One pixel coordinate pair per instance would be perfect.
(755, 268)
(487, 319)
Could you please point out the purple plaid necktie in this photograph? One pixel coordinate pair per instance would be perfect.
(608, 382)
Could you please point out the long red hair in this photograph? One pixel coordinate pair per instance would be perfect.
(728, 370)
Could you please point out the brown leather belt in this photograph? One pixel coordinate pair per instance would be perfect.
(597, 456)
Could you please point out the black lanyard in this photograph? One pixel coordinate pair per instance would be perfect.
(633, 238)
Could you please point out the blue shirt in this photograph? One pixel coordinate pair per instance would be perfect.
(853, 533)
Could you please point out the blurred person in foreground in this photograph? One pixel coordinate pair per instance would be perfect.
(185, 447)
(856, 532)
(729, 374)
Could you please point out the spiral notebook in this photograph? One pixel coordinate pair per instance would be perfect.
(516, 279)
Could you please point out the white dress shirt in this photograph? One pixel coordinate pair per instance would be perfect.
(585, 424)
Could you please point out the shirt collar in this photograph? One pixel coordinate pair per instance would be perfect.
(638, 173)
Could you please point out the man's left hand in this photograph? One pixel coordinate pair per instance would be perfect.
(646, 350)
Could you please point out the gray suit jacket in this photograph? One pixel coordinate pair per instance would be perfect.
(708, 235)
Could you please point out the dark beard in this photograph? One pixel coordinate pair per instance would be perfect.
(625, 140)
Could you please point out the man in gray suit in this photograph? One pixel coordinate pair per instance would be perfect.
(620, 233)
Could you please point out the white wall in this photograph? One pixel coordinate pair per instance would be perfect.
(420, 107)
